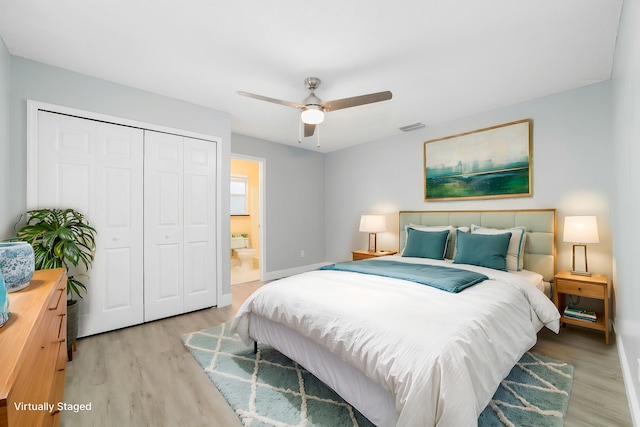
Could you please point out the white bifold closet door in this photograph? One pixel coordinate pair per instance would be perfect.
(151, 197)
(96, 168)
(179, 224)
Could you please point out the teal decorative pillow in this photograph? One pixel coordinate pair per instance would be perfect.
(426, 244)
(515, 252)
(484, 250)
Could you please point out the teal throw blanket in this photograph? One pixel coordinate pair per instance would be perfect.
(445, 278)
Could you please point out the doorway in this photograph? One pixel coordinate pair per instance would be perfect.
(247, 218)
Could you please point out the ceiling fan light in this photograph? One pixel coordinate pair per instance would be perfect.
(312, 115)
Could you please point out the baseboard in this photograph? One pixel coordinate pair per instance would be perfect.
(629, 352)
(273, 275)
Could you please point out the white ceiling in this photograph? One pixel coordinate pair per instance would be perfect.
(442, 59)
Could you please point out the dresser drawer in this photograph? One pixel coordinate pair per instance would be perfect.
(588, 290)
(58, 326)
(60, 373)
(56, 299)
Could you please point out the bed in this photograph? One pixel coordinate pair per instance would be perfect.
(406, 354)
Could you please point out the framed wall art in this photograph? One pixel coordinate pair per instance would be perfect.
(487, 163)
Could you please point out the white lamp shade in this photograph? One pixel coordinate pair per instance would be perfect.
(373, 223)
(580, 229)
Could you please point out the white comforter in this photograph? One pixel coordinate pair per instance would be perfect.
(441, 355)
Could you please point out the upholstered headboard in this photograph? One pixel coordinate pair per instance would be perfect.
(540, 226)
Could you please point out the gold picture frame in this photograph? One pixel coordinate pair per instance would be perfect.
(494, 162)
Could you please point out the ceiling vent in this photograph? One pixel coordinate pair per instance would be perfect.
(414, 126)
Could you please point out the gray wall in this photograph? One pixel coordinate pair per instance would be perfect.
(626, 156)
(5, 207)
(626, 179)
(571, 172)
(45, 83)
(294, 205)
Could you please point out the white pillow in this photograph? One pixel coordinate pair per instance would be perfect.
(515, 252)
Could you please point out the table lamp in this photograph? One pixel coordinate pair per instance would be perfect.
(580, 230)
(373, 224)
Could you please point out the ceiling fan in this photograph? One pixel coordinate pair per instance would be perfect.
(312, 108)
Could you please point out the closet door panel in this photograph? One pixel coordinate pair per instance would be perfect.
(66, 162)
(199, 224)
(96, 168)
(118, 295)
(163, 225)
(118, 270)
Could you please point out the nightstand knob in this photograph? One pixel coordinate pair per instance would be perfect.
(579, 289)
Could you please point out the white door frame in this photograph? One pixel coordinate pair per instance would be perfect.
(262, 214)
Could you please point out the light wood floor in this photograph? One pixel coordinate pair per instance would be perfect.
(143, 375)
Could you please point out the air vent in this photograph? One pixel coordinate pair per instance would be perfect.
(414, 126)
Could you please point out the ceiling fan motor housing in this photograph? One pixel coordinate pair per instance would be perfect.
(312, 112)
(312, 83)
(312, 100)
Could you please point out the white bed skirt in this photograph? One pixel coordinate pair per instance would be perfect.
(368, 397)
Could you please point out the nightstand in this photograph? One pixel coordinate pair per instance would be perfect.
(595, 286)
(358, 255)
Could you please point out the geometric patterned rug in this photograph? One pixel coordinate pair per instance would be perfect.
(268, 389)
(535, 393)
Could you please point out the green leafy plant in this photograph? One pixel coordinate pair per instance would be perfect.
(60, 238)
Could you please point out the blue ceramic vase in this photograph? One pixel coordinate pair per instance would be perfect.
(17, 264)
(4, 302)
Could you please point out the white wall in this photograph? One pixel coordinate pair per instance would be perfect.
(571, 172)
(45, 83)
(626, 156)
(5, 208)
(294, 203)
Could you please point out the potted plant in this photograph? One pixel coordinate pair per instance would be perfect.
(62, 238)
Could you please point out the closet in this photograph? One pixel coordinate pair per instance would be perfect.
(151, 195)
(179, 229)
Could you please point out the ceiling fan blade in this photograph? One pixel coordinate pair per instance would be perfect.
(354, 101)
(309, 130)
(274, 100)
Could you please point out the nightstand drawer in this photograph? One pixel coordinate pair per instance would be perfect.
(588, 290)
(360, 255)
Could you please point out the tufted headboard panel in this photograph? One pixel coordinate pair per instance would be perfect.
(540, 226)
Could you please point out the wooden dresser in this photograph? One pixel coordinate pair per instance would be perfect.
(33, 352)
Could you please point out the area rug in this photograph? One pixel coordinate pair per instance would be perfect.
(268, 389)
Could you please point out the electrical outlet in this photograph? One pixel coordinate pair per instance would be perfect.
(302, 253)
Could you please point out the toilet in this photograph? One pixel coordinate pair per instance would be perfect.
(240, 246)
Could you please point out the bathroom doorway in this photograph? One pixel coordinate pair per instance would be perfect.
(247, 219)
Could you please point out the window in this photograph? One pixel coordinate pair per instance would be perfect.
(239, 185)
